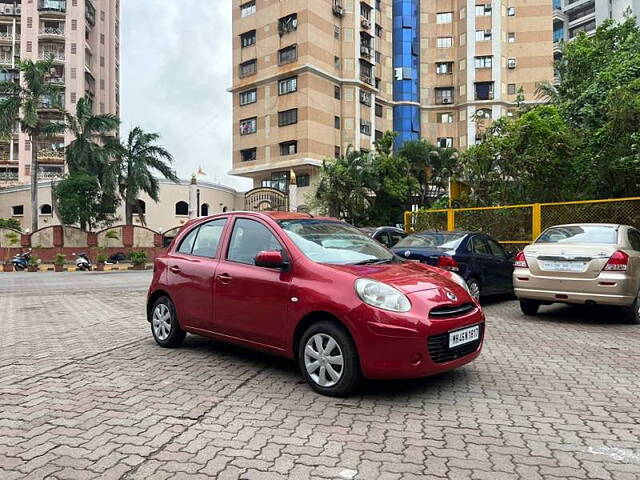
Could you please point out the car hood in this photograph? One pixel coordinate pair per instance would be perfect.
(408, 277)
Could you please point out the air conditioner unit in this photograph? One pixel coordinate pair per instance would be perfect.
(18, 10)
(446, 101)
(338, 10)
(366, 24)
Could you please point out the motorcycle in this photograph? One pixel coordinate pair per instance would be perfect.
(21, 261)
(83, 263)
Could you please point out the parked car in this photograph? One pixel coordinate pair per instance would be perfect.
(581, 264)
(479, 259)
(117, 258)
(315, 290)
(388, 236)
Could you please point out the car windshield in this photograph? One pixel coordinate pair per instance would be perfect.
(433, 240)
(580, 234)
(326, 241)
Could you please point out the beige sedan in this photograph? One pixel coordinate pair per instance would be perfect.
(581, 264)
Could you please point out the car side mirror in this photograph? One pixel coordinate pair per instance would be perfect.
(271, 259)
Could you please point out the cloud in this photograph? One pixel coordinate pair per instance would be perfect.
(175, 68)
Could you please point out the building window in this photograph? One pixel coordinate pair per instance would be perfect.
(365, 11)
(247, 39)
(511, 37)
(337, 93)
(378, 31)
(288, 24)
(484, 90)
(182, 209)
(17, 210)
(444, 17)
(336, 151)
(46, 209)
(378, 57)
(379, 109)
(445, 117)
(365, 127)
(483, 10)
(378, 135)
(289, 148)
(511, 63)
(248, 68)
(248, 126)
(444, 68)
(445, 142)
(511, 11)
(366, 72)
(250, 96)
(511, 89)
(484, 62)
(279, 181)
(247, 9)
(444, 96)
(336, 62)
(444, 42)
(336, 32)
(379, 5)
(365, 98)
(377, 83)
(204, 210)
(248, 155)
(288, 117)
(482, 35)
(287, 85)
(304, 180)
(336, 122)
(287, 55)
(140, 207)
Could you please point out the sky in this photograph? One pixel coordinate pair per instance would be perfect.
(175, 70)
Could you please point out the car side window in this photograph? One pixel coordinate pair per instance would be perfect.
(634, 239)
(480, 245)
(248, 239)
(383, 238)
(206, 244)
(395, 238)
(186, 246)
(496, 249)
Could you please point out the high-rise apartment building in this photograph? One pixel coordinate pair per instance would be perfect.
(313, 77)
(82, 36)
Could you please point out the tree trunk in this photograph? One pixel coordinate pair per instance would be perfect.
(34, 183)
(128, 213)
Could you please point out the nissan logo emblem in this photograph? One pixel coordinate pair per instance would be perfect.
(452, 297)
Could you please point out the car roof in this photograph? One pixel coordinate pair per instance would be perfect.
(613, 225)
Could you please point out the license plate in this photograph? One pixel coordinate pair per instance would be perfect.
(466, 335)
(559, 266)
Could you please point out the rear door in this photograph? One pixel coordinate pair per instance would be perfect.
(487, 266)
(504, 265)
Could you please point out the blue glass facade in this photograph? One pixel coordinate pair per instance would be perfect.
(406, 65)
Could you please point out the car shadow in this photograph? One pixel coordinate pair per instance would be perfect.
(592, 315)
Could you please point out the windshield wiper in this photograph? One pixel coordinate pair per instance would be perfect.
(374, 261)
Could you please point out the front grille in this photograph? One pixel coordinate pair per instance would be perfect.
(440, 352)
(451, 311)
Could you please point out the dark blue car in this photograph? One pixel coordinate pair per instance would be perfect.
(476, 257)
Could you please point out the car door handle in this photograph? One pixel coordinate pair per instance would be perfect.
(224, 278)
(175, 269)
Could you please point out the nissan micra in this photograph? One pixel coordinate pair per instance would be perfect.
(315, 290)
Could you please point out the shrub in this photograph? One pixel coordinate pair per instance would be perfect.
(60, 258)
(138, 258)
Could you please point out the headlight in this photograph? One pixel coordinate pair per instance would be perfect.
(460, 281)
(381, 295)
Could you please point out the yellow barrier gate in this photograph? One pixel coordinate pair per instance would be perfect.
(522, 224)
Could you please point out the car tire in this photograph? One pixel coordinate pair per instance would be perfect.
(323, 357)
(632, 315)
(165, 328)
(529, 307)
(474, 288)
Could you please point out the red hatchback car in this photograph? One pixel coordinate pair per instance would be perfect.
(316, 290)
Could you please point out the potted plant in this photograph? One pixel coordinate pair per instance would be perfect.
(34, 261)
(101, 260)
(12, 239)
(58, 263)
(139, 260)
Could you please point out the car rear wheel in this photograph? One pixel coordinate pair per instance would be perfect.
(529, 307)
(633, 312)
(474, 288)
(165, 328)
(328, 359)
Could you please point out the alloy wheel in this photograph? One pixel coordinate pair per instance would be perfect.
(161, 321)
(474, 290)
(323, 360)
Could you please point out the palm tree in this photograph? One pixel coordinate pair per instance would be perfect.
(137, 160)
(24, 104)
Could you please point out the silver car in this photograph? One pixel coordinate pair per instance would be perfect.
(581, 264)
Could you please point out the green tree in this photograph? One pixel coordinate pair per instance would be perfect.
(81, 200)
(10, 223)
(137, 161)
(24, 104)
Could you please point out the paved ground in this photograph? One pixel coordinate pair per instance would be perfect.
(84, 393)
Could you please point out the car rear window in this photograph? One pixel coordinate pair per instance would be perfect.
(436, 240)
(580, 234)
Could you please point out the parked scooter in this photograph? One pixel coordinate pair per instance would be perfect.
(21, 261)
(83, 263)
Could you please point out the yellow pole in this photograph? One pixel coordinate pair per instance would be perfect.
(451, 219)
(407, 221)
(536, 217)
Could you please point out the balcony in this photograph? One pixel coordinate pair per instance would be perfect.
(368, 79)
(46, 54)
(51, 32)
(52, 103)
(50, 173)
(9, 175)
(366, 51)
(7, 36)
(56, 7)
(50, 156)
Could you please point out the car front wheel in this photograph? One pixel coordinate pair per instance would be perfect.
(474, 289)
(165, 328)
(529, 307)
(328, 359)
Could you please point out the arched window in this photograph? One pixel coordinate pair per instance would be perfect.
(182, 208)
(204, 210)
(45, 209)
(141, 207)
